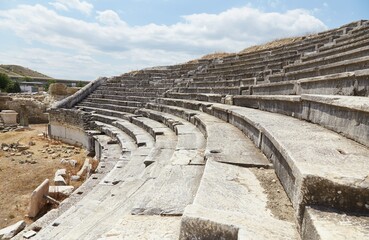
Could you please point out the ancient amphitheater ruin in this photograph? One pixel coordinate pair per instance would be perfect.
(269, 144)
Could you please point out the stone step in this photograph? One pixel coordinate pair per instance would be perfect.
(191, 142)
(346, 83)
(232, 203)
(133, 94)
(210, 97)
(234, 148)
(346, 115)
(337, 48)
(327, 161)
(106, 112)
(126, 143)
(122, 98)
(359, 63)
(173, 190)
(327, 224)
(141, 137)
(115, 102)
(114, 107)
(333, 58)
(145, 227)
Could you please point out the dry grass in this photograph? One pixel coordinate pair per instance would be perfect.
(216, 55)
(22, 71)
(20, 179)
(271, 45)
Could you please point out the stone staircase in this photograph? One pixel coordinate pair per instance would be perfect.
(271, 144)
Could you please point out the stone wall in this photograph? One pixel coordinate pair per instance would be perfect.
(70, 126)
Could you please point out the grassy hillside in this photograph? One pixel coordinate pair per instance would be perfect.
(19, 71)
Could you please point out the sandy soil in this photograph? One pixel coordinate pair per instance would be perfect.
(278, 201)
(22, 171)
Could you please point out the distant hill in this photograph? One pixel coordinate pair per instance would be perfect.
(19, 71)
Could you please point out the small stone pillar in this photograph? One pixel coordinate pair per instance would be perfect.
(23, 116)
(9, 117)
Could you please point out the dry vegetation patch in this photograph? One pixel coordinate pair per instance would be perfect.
(27, 158)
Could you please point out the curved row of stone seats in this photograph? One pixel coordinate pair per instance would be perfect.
(215, 129)
(343, 55)
(187, 152)
(214, 135)
(356, 33)
(337, 47)
(353, 83)
(141, 99)
(346, 115)
(109, 156)
(355, 64)
(205, 97)
(222, 208)
(165, 181)
(328, 171)
(219, 90)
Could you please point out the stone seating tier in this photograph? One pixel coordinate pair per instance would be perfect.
(186, 156)
(342, 56)
(337, 67)
(336, 48)
(296, 169)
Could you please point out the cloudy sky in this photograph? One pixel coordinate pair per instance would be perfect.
(85, 39)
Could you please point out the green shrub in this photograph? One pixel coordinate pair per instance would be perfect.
(4, 81)
(13, 87)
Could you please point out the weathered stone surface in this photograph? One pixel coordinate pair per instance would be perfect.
(60, 191)
(145, 227)
(231, 199)
(38, 201)
(343, 114)
(325, 224)
(11, 231)
(9, 117)
(61, 172)
(29, 234)
(328, 161)
(170, 192)
(59, 181)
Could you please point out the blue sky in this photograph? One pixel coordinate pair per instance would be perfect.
(85, 39)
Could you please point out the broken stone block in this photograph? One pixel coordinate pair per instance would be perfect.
(22, 148)
(75, 178)
(38, 200)
(59, 181)
(11, 231)
(61, 172)
(84, 169)
(9, 117)
(60, 191)
(29, 234)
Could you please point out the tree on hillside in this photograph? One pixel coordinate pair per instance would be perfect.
(80, 84)
(4, 81)
(27, 79)
(49, 82)
(13, 87)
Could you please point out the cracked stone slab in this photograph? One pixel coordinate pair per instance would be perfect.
(329, 225)
(170, 192)
(230, 201)
(144, 227)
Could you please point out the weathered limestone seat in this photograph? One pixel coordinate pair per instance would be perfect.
(201, 150)
(346, 115)
(304, 174)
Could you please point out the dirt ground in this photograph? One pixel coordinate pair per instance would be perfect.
(21, 171)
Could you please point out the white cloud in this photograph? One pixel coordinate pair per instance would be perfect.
(111, 39)
(59, 6)
(109, 17)
(65, 5)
